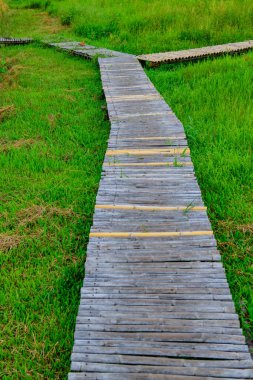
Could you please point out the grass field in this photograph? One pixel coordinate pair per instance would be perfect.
(52, 141)
(53, 137)
(141, 26)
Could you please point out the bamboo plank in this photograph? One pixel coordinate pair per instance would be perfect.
(193, 371)
(159, 322)
(86, 327)
(136, 360)
(213, 351)
(149, 234)
(117, 152)
(149, 208)
(137, 376)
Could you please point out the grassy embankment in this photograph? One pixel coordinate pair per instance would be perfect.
(214, 101)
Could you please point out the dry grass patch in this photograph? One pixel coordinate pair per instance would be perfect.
(50, 25)
(3, 8)
(6, 111)
(10, 71)
(231, 228)
(246, 228)
(32, 214)
(5, 146)
(26, 228)
(9, 241)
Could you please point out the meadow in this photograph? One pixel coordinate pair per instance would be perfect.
(53, 134)
(143, 26)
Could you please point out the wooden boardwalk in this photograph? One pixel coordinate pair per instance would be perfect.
(155, 302)
(15, 41)
(86, 51)
(196, 54)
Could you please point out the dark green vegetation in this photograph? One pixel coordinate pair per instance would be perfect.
(53, 139)
(213, 99)
(141, 26)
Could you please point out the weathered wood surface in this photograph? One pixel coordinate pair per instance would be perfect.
(155, 302)
(196, 54)
(86, 51)
(15, 41)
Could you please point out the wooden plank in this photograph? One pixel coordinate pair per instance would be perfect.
(165, 315)
(138, 376)
(149, 234)
(122, 164)
(192, 371)
(193, 337)
(150, 208)
(197, 351)
(161, 292)
(178, 328)
(117, 152)
(193, 347)
(160, 361)
(159, 322)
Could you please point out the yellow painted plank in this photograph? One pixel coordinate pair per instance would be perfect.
(151, 208)
(155, 138)
(149, 164)
(126, 116)
(150, 234)
(117, 152)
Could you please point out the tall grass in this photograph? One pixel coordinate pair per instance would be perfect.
(141, 26)
(52, 141)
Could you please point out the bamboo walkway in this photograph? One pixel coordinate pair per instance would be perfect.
(155, 302)
(196, 54)
(15, 41)
(86, 51)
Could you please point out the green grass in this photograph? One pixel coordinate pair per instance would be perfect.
(31, 23)
(213, 99)
(141, 26)
(52, 145)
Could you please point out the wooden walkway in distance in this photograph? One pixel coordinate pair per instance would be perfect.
(15, 41)
(155, 302)
(86, 51)
(196, 54)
